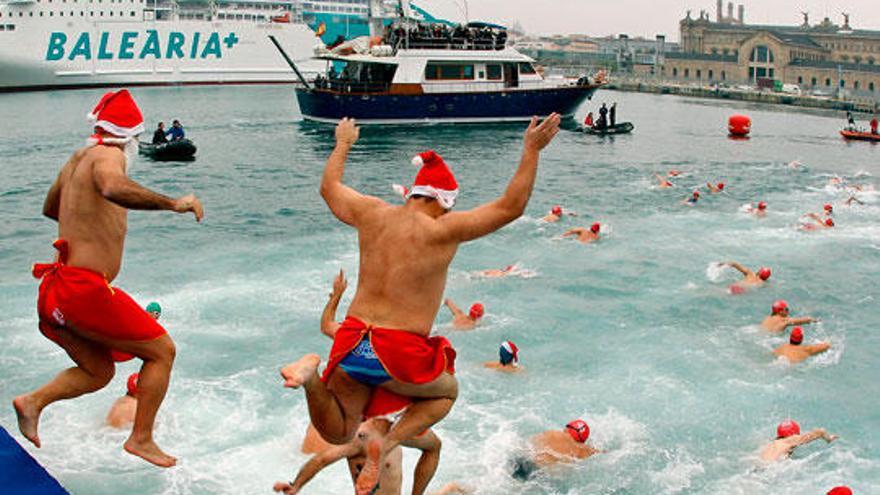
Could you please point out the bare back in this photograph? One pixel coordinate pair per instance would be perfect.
(554, 447)
(403, 266)
(94, 227)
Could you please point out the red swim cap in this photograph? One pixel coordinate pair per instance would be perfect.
(829, 208)
(764, 273)
(762, 205)
(595, 227)
(557, 210)
(477, 311)
(787, 429)
(829, 222)
(133, 384)
(797, 336)
(779, 306)
(579, 430)
(840, 490)
(696, 194)
(720, 186)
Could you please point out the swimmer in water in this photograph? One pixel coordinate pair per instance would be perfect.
(779, 318)
(555, 215)
(795, 351)
(154, 310)
(840, 490)
(122, 412)
(692, 200)
(788, 438)
(674, 173)
(462, 321)
(585, 236)
(405, 253)
(750, 279)
(760, 210)
(356, 452)
(662, 182)
(818, 223)
(495, 273)
(828, 209)
(554, 447)
(853, 199)
(715, 188)
(508, 359)
(96, 323)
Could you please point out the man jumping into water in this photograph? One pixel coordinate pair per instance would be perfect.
(779, 318)
(462, 320)
(554, 447)
(585, 236)
(405, 252)
(795, 351)
(788, 438)
(750, 279)
(94, 322)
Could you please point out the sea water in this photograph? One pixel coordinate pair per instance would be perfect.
(636, 334)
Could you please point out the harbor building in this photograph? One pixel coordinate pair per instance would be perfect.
(821, 58)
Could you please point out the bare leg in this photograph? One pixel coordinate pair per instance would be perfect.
(158, 357)
(336, 407)
(418, 417)
(93, 371)
(443, 387)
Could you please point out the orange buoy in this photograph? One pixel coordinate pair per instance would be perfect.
(739, 125)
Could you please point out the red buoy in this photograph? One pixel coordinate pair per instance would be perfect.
(739, 125)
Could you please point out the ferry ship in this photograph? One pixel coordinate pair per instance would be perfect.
(418, 71)
(51, 44)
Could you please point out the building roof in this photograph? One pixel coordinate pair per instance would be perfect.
(798, 31)
(831, 64)
(713, 57)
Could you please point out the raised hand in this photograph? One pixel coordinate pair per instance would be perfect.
(339, 284)
(538, 136)
(347, 132)
(189, 203)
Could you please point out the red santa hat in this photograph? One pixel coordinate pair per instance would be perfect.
(434, 180)
(118, 114)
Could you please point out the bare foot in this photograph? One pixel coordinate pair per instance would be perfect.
(149, 452)
(297, 374)
(28, 418)
(285, 488)
(369, 477)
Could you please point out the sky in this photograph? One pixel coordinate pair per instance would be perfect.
(644, 17)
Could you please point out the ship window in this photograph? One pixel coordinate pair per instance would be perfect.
(526, 68)
(2, 27)
(449, 72)
(493, 72)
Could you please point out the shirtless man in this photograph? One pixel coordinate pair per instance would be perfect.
(355, 452)
(760, 210)
(715, 188)
(555, 215)
(122, 412)
(585, 236)
(692, 200)
(795, 352)
(750, 279)
(97, 324)
(817, 222)
(405, 253)
(496, 273)
(663, 182)
(788, 438)
(552, 448)
(462, 321)
(508, 359)
(779, 318)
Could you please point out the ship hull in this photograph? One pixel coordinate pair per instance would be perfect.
(498, 106)
(89, 54)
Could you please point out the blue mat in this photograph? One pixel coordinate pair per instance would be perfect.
(21, 474)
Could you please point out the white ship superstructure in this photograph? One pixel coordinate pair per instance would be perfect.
(83, 43)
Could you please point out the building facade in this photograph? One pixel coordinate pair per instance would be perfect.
(823, 57)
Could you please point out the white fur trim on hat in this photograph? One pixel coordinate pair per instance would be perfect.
(400, 190)
(417, 161)
(96, 139)
(445, 198)
(116, 130)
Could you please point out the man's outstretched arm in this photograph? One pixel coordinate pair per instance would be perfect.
(736, 266)
(116, 187)
(329, 325)
(801, 321)
(429, 443)
(485, 219)
(314, 466)
(347, 204)
(455, 310)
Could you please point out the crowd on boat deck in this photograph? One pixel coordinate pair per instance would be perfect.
(357, 77)
(440, 36)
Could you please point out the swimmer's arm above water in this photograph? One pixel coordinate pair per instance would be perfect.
(111, 181)
(812, 436)
(736, 266)
(314, 466)
(818, 348)
(801, 321)
(469, 225)
(348, 205)
(455, 310)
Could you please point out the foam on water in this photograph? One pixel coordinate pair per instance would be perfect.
(635, 333)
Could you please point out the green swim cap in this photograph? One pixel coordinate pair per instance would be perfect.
(154, 307)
